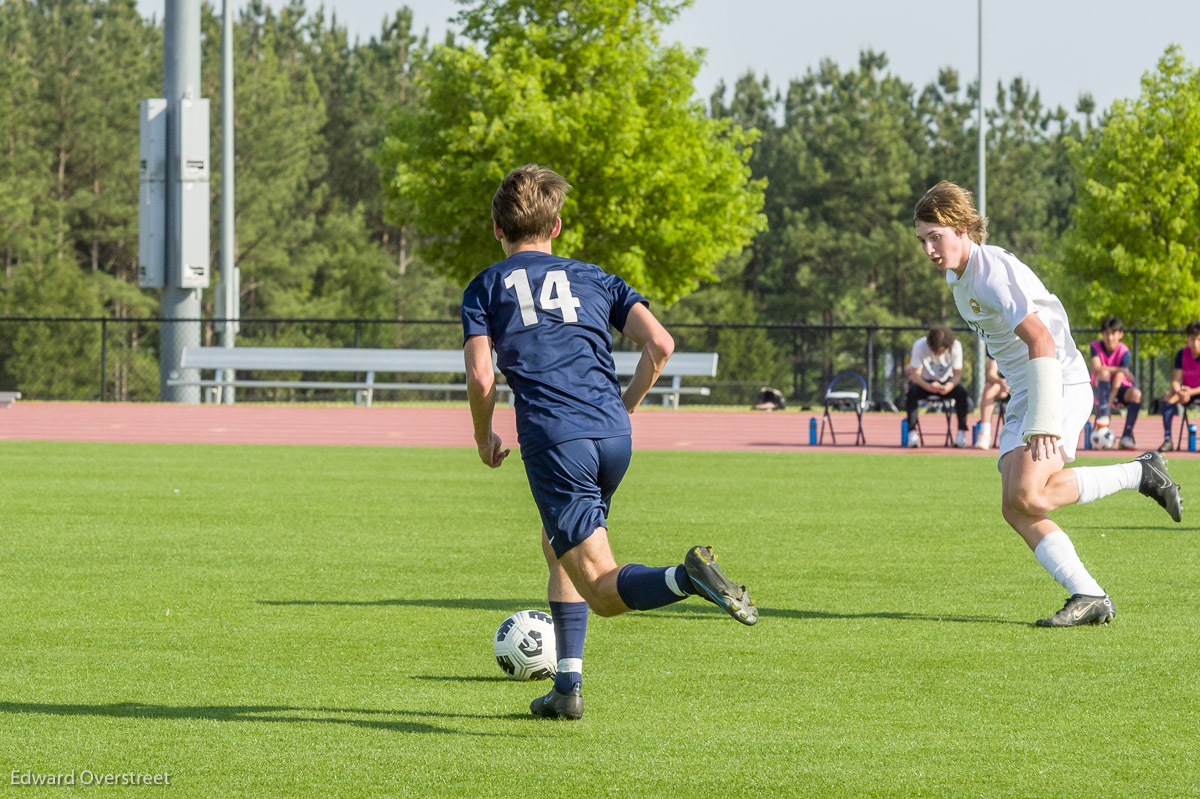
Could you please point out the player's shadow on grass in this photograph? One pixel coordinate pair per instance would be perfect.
(457, 678)
(502, 605)
(1137, 528)
(695, 611)
(703, 612)
(268, 714)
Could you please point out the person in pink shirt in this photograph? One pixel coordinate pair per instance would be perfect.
(1185, 381)
(1112, 378)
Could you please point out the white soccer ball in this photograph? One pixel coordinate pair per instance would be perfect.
(1103, 438)
(524, 646)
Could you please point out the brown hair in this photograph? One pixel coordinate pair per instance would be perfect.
(1193, 328)
(940, 338)
(951, 205)
(528, 202)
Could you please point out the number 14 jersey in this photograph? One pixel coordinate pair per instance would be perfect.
(549, 319)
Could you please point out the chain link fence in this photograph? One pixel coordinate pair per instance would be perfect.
(113, 359)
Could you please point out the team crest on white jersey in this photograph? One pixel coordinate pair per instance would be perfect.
(974, 305)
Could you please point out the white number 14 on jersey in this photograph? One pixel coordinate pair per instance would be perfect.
(555, 295)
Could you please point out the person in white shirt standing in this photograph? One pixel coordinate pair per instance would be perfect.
(935, 370)
(1026, 330)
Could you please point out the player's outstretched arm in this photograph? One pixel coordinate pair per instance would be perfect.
(481, 391)
(644, 328)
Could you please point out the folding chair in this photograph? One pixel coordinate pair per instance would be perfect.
(932, 405)
(998, 418)
(854, 400)
(1181, 439)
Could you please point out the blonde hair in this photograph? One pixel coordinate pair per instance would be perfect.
(528, 202)
(951, 205)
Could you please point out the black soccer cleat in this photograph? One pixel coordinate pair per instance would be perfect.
(712, 584)
(557, 705)
(1082, 609)
(1157, 483)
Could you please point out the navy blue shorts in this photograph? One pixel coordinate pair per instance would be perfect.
(573, 483)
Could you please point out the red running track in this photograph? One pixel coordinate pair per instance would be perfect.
(451, 427)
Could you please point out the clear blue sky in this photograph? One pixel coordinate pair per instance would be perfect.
(1061, 47)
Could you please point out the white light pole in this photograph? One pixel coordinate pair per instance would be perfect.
(981, 195)
(229, 300)
(981, 198)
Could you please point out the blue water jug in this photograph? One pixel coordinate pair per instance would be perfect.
(904, 432)
(812, 431)
(1191, 438)
(1087, 435)
(975, 434)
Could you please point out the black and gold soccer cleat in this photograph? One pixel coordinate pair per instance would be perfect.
(712, 584)
(1157, 484)
(557, 705)
(1082, 609)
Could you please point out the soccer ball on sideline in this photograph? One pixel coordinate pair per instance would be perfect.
(1103, 438)
(524, 646)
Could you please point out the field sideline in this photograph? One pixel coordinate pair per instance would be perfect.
(316, 621)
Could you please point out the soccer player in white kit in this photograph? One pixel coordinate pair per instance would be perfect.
(1027, 332)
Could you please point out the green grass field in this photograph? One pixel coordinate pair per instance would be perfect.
(304, 621)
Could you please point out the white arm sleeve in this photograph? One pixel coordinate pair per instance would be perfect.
(1044, 417)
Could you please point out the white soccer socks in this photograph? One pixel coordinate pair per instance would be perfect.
(1057, 555)
(1100, 481)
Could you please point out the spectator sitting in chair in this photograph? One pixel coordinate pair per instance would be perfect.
(935, 371)
(995, 389)
(1112, 379)
(1185, 382)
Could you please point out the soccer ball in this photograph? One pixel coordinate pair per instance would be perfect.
(1103, 438)
(524, 646)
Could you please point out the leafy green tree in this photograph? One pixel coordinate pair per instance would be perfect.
(277, 157)
(587, 89)
(21, 178)
(754, 106)
(1029, 180)
(840, 202)
(949, 113)
(1136, 244)
(92, 63)
(47, 359)
(311, 241)
(361, 85)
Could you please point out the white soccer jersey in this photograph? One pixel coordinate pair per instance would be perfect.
(994, 295)
(935, 368)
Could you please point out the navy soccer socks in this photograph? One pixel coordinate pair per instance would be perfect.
(645, 587)
(570, 628)
(1168, 412)
(1103, 393)
(1132, 410)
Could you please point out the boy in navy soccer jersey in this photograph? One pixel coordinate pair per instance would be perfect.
(548, 319)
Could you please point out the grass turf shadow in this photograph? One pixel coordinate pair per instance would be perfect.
(255, 713)
(508, 605)
(694, 612)
(707, 612)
